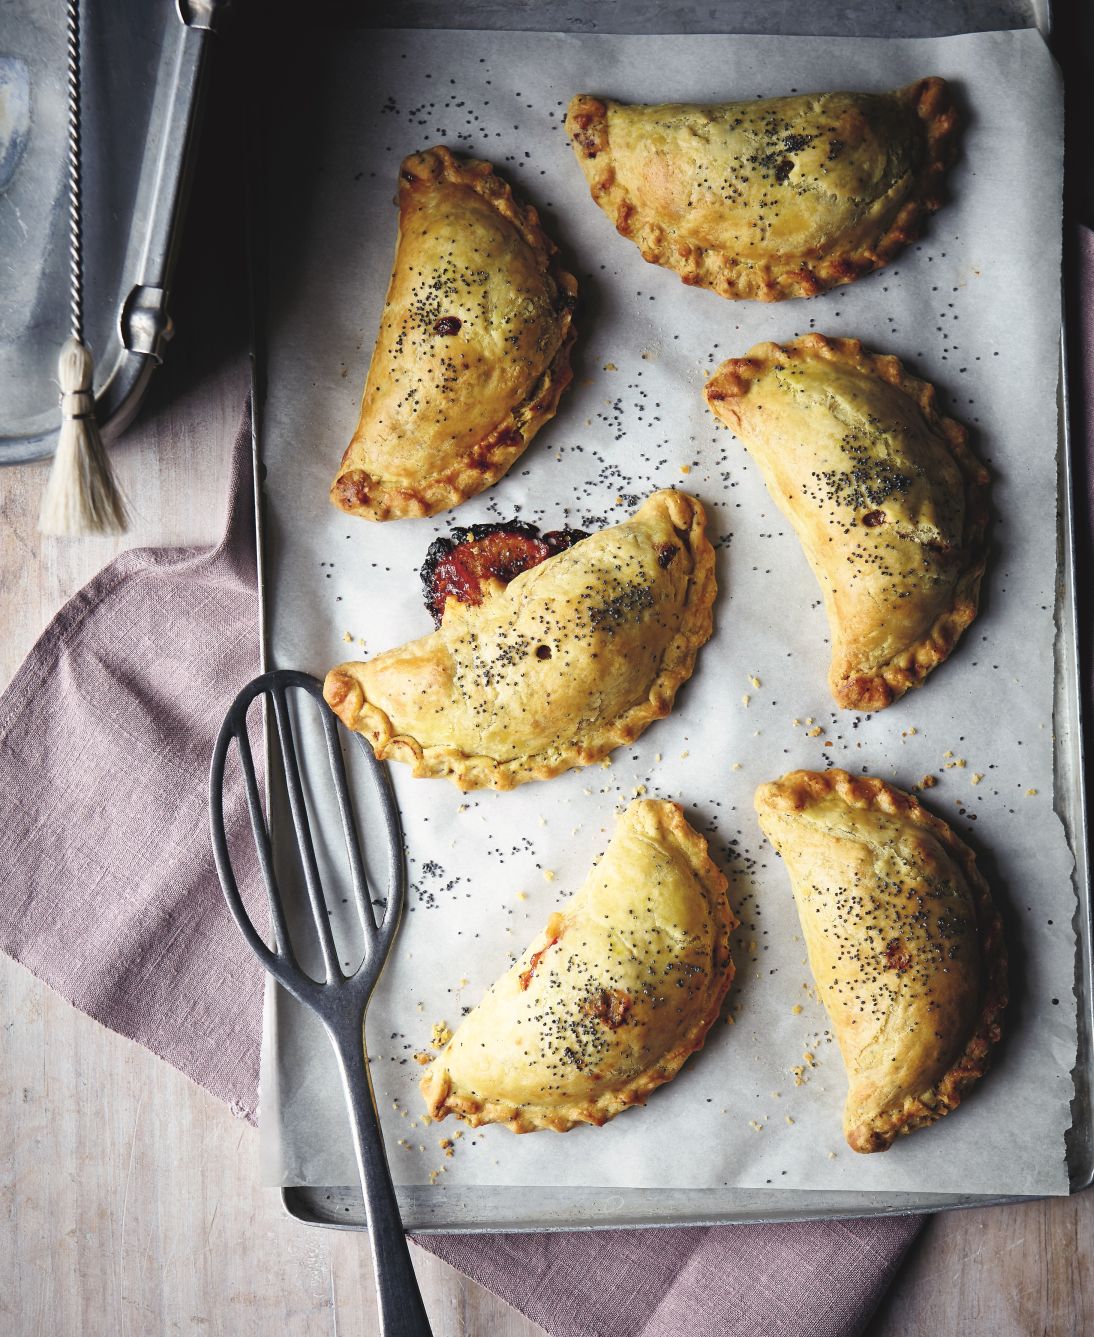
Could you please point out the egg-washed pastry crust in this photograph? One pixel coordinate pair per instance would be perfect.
(874, 1129)
(785, 197)
(571, 659)
(888, 631)
(610, 1000)
(474, 346)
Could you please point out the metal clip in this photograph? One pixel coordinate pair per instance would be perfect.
(145, 324)
(201, 14)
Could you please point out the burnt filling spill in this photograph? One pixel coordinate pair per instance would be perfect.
(457, 565)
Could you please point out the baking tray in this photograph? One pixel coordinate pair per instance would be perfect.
(143, 67)
(477, 1209)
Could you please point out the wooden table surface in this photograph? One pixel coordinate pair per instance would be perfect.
(130, 1198)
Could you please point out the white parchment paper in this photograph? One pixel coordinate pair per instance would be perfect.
(974, 308)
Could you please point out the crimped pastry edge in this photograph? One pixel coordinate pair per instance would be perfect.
(346, 697)
(586, 123)
(874, 689)
(671, 826)
(355, 490)
(795, 792)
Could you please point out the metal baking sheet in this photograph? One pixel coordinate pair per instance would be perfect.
(142, 77)
(567, 1208)
(467, 1210)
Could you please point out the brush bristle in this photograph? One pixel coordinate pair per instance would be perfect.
(81, 496)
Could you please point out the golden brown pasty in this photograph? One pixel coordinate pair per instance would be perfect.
(609, 1001)
(889, 503)
(474, 344)
(572, 658)
(785, 197)
(904, 942)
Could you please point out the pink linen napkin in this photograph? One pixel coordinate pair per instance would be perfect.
(110, 896)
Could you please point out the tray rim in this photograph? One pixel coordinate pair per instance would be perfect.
(303, 1202)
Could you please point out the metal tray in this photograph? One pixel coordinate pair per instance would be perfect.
(143, 70)
(480, 1209)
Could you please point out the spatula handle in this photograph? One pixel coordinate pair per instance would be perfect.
(402, 1313)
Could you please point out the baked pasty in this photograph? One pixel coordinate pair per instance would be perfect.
(609, 1001)
(569, 660)
(474, 344)
(785, 197)
(889, 503)
(904, 942)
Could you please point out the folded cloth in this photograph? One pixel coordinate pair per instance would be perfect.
(111, 897)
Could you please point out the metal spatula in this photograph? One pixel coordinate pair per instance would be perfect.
(339, 1000)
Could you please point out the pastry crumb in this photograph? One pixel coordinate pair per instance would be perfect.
(684, 756)
(1030, 793)
(548, 875)
(797, 1009)
(815, 732)
(423, 1057)
(831, 1155)
(756, 1127)
(754, 680)
(685, 468)
(736, 766)
(928, 781)
(610, 366)
(745, 699)
(977, 776)
(522, 895)
(347, 636)
(446, 1146)
(441, 1034)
